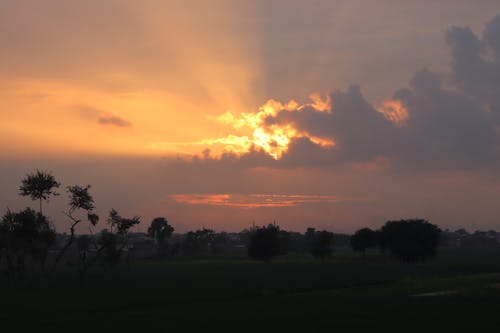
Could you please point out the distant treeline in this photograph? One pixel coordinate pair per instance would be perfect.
(28, 237)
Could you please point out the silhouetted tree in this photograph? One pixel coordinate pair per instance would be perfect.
(39, 185)
(111, 242)
(121, 225)
(197, 242)
(23, 234)
(310, 234)
(267, 242)
(411, 240)
(322, 244)
(363, 239)
(160, 231)
(80, 199)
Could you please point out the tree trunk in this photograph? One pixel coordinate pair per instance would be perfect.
(66, 246)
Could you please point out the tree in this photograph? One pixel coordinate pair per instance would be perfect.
(111, 243)
(363, 239)
(121, 225)
(116, 240)
(197, 242)
(411, 240)
(322, 245)
(160, 230)
(39, 185)
(267, 242)
(79, 199)
(26, 233)
(111, 251)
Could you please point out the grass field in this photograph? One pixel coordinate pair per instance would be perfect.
(345, 294)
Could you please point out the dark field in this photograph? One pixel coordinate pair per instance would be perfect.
(344, 294)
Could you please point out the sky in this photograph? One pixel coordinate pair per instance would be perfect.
(329, 114)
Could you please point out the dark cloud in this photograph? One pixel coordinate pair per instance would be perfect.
(361, 133)
(449, 126)
(491, 34)
(103, 118)
(452, 124)
(475, 65)
(446, 128)
(114, 121)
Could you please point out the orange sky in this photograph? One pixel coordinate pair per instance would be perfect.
(250, 87)
(168, 68)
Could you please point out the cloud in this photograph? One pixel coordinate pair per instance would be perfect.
(103, 118)
(254, 200)
(442, 121)
(475, 65)
(447, 128)
(113, 121)
(360, 132)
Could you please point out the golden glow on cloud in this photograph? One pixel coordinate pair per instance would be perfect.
(155, 80)
(150, 73)
(253, 200)
(395, 112)
(249, 131)
(274, 139)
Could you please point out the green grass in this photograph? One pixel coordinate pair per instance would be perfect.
(346, 294)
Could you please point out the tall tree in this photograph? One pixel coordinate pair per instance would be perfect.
(79, 199)
(39, 185)
(160, 231)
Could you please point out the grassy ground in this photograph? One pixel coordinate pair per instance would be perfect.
(346, 294)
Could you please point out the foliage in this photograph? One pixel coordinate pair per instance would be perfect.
(119, 224)
(79, 199)
(197, 242)
(363, 239)
(411, 240)
(39, 185)
(26, 233)
(160, 230)
(268, 242)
